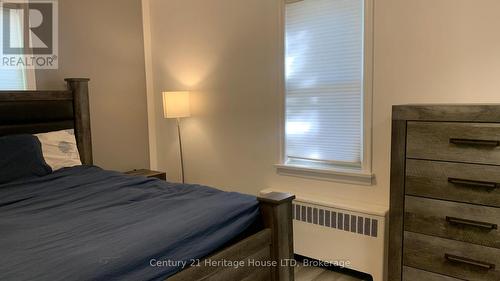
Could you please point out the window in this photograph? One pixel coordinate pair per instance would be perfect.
(328, 88)
(20, 78)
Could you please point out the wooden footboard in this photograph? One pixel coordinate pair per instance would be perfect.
(276, 211)
(262, 256)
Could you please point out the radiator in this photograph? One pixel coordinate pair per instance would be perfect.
(340, 234)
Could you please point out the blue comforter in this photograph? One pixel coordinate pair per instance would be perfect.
(85, 223)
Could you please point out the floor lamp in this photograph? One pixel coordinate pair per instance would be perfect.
(176, 105)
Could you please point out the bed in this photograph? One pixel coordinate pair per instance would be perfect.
(86, 223)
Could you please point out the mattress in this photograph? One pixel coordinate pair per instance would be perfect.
(86, 223)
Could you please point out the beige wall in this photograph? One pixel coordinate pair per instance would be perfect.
(426, 51)
(225, 51)
(431, 51)
(103, 40)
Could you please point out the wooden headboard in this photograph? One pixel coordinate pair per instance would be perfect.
(33, 112)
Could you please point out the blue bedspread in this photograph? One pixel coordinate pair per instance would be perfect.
(84, 223)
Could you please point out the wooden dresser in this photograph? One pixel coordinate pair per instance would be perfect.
(445, 193)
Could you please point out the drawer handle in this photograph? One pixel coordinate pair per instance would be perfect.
(486, 225)
(473, 183)
(462, 260)
(490, 143)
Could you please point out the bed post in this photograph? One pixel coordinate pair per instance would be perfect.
(276, 209)
(81, 109)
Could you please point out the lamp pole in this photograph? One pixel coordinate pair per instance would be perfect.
(180, 148)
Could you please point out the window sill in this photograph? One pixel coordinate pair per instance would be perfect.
(344, 175)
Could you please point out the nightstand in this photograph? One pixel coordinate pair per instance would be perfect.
(148, 174)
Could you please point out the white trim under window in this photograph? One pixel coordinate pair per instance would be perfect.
(351, 166)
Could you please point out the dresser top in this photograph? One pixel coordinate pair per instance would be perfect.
(447, 112)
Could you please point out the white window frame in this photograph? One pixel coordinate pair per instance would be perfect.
(363, 175)
(29, 74)
(29, 79)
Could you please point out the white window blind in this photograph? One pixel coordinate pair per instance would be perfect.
(324, 82)
(13, 79)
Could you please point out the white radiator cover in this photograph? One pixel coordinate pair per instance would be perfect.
(341, 233)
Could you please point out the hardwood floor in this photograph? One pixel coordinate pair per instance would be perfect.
(305, 273)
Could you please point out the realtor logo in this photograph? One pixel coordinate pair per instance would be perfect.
(29, 34)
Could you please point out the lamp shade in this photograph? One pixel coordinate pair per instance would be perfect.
(176, 104)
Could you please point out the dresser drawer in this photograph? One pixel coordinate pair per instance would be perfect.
(457, 221)
(413, 274)
(462, 142)
(470, 183)
(452, 258)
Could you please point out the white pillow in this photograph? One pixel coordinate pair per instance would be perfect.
(59, 149)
